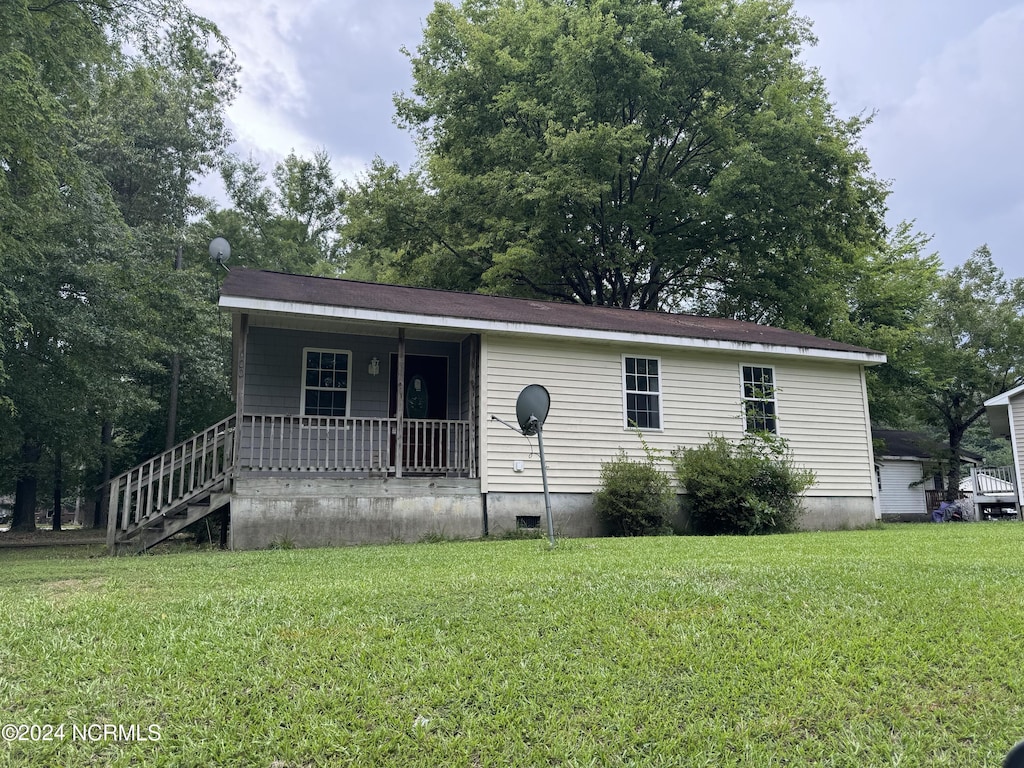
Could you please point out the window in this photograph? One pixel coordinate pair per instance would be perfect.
(759, 410)
(325, 383)
(642, 387)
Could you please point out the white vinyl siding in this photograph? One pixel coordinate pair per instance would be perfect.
(824, 421)
(902, 490)
(1016, 407)
(822, 402)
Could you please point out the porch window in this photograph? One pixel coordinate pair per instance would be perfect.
(759, 404)
(325, 382)
(642, 390)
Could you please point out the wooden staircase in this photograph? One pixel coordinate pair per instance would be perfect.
(166, 494)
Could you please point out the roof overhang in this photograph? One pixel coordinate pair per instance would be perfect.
(998, 411)
(302, 309)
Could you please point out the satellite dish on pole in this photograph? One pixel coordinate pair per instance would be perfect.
(532, 408)
(531, 411)
(220, 251)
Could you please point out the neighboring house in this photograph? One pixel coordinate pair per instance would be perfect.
(1006, 419)
(910, 470)
(319, 451)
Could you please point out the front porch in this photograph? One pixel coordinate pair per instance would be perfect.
(297, 462)
(352, 408)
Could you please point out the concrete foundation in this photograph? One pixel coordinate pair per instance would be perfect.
(309, 511)
(836, 513)
(572, 513)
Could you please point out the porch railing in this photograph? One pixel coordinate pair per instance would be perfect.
(994, 481)
(285, 443)
(170, 479)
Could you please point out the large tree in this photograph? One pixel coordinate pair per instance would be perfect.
(634, 153)
(75, 252)
(888, 305)
(971, 348)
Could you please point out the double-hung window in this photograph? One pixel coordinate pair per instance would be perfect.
(325, 382)
(642, 390)
(759, 405)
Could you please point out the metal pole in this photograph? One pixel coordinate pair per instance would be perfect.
(544, 478)
(172, 406)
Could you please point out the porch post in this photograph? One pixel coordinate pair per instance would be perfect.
(113, 515)
(976, 490)
(243, 338)
(399, 402)
(474, 364)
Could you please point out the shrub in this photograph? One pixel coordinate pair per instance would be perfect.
(635, 498)
(750, 487)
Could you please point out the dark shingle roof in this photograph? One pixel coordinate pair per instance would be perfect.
(901, 442)
(332, 292)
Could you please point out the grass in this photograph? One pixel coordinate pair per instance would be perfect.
(899, 646)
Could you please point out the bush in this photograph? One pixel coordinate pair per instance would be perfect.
(750, 487)
(635, 498)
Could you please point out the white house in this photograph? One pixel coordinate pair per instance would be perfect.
(364, 413)
(909, 471)
(1006, 419)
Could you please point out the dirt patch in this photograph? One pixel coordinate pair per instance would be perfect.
(49, 538)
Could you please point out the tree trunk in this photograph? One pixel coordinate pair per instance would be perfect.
(58, 490)
(26, 488)
(953, 476)
(99, 519)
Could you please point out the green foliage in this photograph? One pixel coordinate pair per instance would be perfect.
(635, 497)
(887, 300)
(973, 345)
(750, 487)
(289, 226)
(644, 155)
(108, 113)
(395, 232)
(953, 340)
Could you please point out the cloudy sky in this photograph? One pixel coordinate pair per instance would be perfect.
(944, 78)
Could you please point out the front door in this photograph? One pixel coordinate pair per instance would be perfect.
(426, 387)
(424, 444)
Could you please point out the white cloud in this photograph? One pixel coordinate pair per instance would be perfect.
(955, 143)
(265, 35)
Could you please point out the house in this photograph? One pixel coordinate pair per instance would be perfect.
(370, 413)
(910, 470)
(1006, 419)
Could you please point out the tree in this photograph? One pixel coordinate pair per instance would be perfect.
(73, 252)
(972, 348)
(292, 226)
(637, 154)
(887, 305)
(394, 232)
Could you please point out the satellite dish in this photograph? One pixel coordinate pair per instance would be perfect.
(220, 250)
(532, 408)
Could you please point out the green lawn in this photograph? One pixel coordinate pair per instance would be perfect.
(900, 646)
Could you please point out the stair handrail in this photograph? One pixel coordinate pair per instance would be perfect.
(168, 479)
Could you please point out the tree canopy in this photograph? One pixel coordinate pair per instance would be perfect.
(971, 348)
(292, 225)
(108, 114)
(628, 153)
